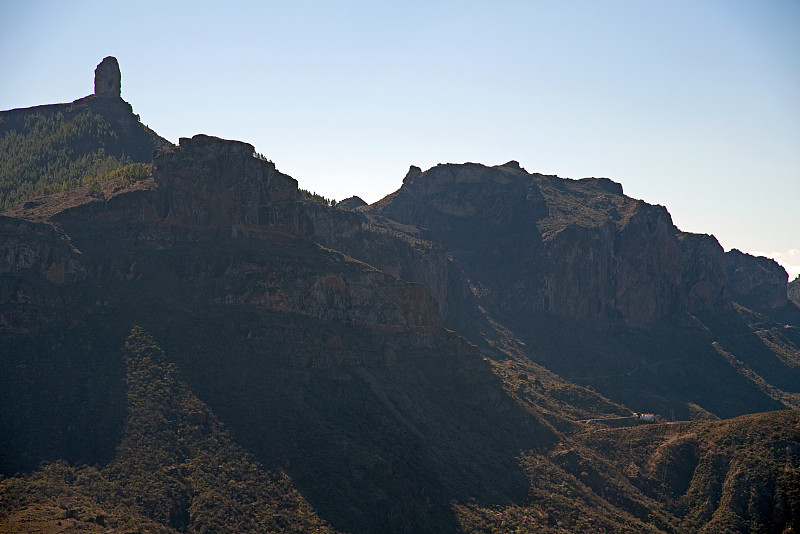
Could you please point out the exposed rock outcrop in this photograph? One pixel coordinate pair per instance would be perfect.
(238, 222)
(704, 282)
(793, 289)
(101, 120)
(398, 250)
(211, 186)
(756, 282)
(37, 249)
(107, 78)
(577, 248)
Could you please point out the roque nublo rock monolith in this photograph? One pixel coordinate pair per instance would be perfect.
(107, 78)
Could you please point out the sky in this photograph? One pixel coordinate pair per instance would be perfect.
(691, 104)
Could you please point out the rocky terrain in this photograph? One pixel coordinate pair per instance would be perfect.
(793, 290)
(565, 270)
(201, 348)
(574, 248)
(760, 284)
(51, 148)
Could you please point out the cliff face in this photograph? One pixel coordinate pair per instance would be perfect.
(793, 289)
(576, 248)
(571, 274)
(606, 272)
(756, 282)
(220, 188)
(704, 284)
(214, 193)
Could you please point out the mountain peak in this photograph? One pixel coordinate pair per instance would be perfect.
(413, 172)
(107, 78)
(513, 165)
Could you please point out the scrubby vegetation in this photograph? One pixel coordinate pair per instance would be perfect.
(117, 179)
(52, 154)
(585, 203)
(415, 242)
(175, 469)
(318, 198)
(60, 147)
(739, 475)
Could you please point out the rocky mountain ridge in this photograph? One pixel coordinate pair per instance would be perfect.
(572, 248)
(420, 364)
(561, 270)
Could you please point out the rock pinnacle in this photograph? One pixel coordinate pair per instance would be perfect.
(107, 78)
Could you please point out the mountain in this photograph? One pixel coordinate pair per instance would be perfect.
(370, 403)
(50, 148)
(595, 285)
(204, 348)
(571, 248)
(760, 284)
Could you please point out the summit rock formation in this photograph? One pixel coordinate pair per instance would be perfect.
(107, 78)
(75, 142)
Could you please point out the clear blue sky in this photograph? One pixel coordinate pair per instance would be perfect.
(691, 104)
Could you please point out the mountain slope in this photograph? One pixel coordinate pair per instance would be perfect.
(598, 287)
(314, 364)
(47, 149)
(738, 475)
(379, 415)
(175, 469)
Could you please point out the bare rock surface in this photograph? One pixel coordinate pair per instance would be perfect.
(577, 248)
(211, 184)
(756, 281)
(107, 78)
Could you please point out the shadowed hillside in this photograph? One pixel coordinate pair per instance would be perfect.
(598, 287)
(318, 364)
(198, 345)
